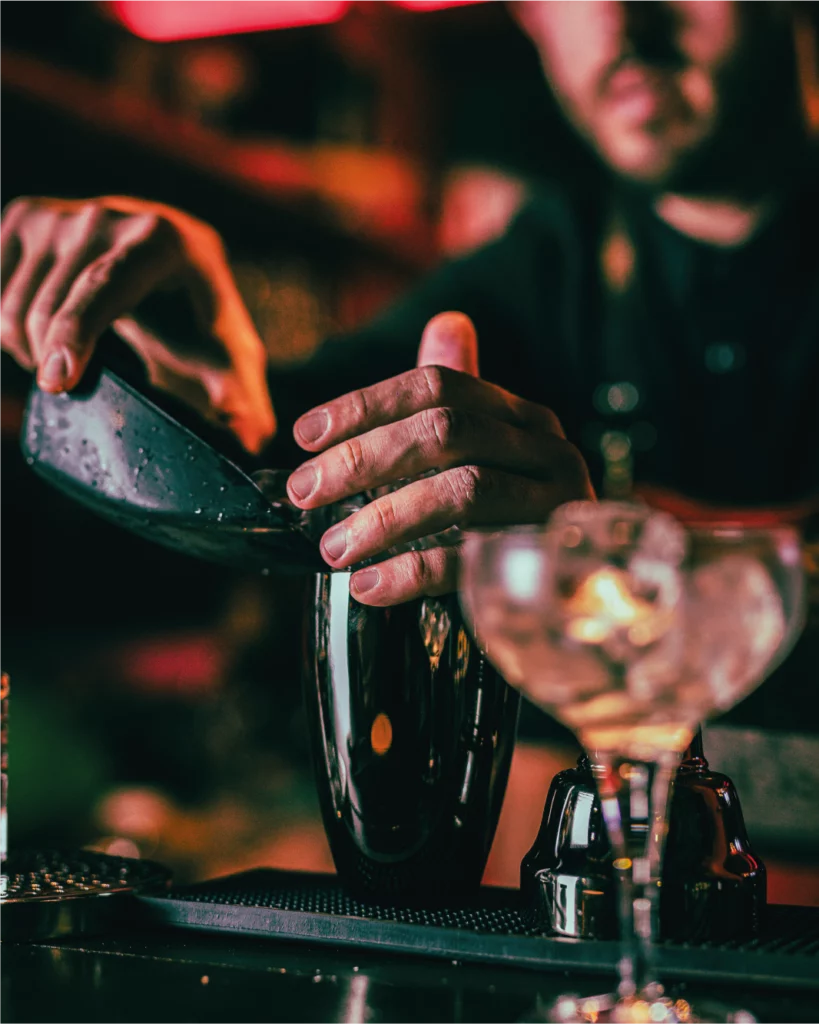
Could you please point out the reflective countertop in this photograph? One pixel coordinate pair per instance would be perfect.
(175, 975)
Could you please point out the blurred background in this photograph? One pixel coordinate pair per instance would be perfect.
(341, 149)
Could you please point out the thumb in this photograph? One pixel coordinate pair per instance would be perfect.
(450, 340)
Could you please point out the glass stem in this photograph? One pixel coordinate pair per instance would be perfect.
(4, 780)
(634, 797)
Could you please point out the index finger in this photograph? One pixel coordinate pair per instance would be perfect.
(427, 387)
(108, 287)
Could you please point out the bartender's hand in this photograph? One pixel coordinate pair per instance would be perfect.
(502, 460)
(72, 268)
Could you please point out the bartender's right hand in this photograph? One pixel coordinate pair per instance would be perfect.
(72, 268)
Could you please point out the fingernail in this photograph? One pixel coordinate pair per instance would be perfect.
(303, 482)
(335, 542)
(53, 372)
(365, 580)
(313, 425)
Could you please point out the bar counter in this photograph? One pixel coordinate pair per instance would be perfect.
(173, 975)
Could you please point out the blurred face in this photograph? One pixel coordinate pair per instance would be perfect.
(652, 85)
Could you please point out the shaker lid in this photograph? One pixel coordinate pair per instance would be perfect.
(114, 450)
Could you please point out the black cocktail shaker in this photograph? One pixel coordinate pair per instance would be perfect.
(413, 733)
(412, 729)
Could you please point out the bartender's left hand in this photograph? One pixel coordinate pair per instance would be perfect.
(501, 460)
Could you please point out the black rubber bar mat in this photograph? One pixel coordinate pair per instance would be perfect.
(314, 908)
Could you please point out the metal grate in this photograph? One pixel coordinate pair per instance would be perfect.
(61, 874)
(316, 908)
(49, 893)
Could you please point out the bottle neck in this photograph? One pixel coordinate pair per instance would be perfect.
(694, 757)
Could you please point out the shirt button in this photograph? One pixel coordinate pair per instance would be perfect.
(620, 397)
(724, 357)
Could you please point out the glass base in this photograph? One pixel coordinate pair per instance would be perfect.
(652, 1008)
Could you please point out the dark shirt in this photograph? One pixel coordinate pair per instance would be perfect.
(721, 345)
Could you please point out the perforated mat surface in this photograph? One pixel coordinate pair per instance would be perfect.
(315, 908)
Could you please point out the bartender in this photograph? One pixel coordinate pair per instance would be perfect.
(680, 304)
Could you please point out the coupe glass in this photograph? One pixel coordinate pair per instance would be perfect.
(631, 630)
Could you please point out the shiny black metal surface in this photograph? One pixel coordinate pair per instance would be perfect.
(110, 447)
(413, 734)
(713, 888)
(566, 878)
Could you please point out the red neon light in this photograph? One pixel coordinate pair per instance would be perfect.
(165, 20)
(434, 5)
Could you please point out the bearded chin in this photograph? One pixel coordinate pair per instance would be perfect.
(757, 141)
(708, 168)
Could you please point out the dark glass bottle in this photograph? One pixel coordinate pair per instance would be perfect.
(713, 886)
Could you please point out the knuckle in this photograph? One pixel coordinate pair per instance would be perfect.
(66, 328)
(101, 271)
(150, 222)
(17, 208)
(415, 570)
(360, 404)
(351, 454)
(37, 320)
(90, 216)
(89, 209)
(441, 426)
(384, 519)
(10, 332)
(433, 382)
(467, 484)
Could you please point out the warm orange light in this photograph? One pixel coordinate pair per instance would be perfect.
(381, 734)
(602, 604)
(683, 1010)
(640, 1012)
(166, 20)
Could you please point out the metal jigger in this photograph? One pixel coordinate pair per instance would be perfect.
(49, 894)
(713, 885)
